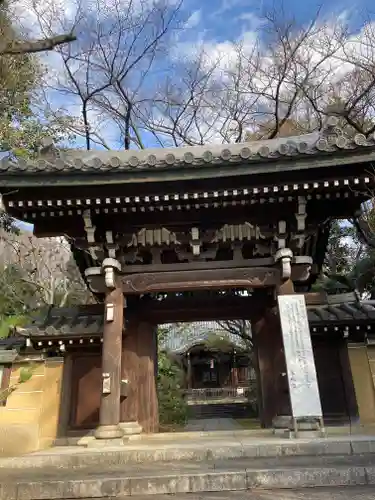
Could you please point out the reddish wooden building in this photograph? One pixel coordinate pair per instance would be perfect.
(210, 356)
(153, 230)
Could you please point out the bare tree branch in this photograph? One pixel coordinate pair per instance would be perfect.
(33, 46)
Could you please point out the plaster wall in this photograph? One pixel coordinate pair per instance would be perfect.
(29, 420)
(371, 359)
(363, 383)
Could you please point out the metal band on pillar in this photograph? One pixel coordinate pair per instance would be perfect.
(285, 255)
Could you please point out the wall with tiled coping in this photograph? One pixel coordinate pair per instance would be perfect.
(359, 356)
(29, 420)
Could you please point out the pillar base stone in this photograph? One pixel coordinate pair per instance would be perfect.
(103, 443)
(307, 428)
(282, 423)
(108, 432)
(130, 428)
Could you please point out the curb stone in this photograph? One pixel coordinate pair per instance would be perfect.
(250, 479)
(307, 477)
(193, 454)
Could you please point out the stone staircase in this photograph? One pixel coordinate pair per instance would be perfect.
(231, 461)
(220, 410)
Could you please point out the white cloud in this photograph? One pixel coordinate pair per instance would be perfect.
(45, 17)
(251, 20)
(217, 107)
(225, 54)
(194, 19)
(228, 5)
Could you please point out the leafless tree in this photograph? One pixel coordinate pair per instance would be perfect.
(19, 47)
(125, 78)
(240, 328)
(108, 71)
(44, 265)
(282, 83)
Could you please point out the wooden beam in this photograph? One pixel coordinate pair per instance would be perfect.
(187, 309)
(316, 298)
(205, 218)
(196, 265)
(202, 279)
(179, 281)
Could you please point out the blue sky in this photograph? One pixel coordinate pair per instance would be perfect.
(222, 20)
(216, 22)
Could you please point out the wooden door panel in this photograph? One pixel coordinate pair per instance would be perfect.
(330, 381)
(86, 385)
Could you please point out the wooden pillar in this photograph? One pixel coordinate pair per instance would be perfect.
(140, 406)
(234, 370)
(189, 381)
(111, 354)
(274, 395)
(129, 372)
(148, 408)
(65, 397)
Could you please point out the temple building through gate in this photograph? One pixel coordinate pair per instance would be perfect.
(170, 235)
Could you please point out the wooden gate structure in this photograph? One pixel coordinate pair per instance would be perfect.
(178, 234)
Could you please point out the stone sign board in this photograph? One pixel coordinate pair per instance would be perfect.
(299, 356)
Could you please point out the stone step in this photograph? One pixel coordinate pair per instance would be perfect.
(193, 450)
(208, 410)
(187, 477)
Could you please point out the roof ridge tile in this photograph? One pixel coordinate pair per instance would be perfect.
(329, 140)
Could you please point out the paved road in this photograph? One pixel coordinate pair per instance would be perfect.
(212, 424)
(349, 493)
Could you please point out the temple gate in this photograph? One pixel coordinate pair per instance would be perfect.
(153, 230)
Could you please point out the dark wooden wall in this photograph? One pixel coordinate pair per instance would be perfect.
(138, 367)
(332, 366)
(334, 378)
(85, 390)
(139, 355)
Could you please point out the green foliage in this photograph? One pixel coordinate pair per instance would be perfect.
(21, 127)
(173, 408)
(219, 343)
(23, 134)
(14, 300)
(18, 74)
(9, 322)
(7, 223)
(341, 248)
(17, 301)
(26, 373)
(349, 264)
(18, 77)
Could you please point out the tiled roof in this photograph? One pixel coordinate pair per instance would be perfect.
(329, 140)
(10, 343)
(196, 333)
(67, 322)
(355, 312)
(88, 321)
